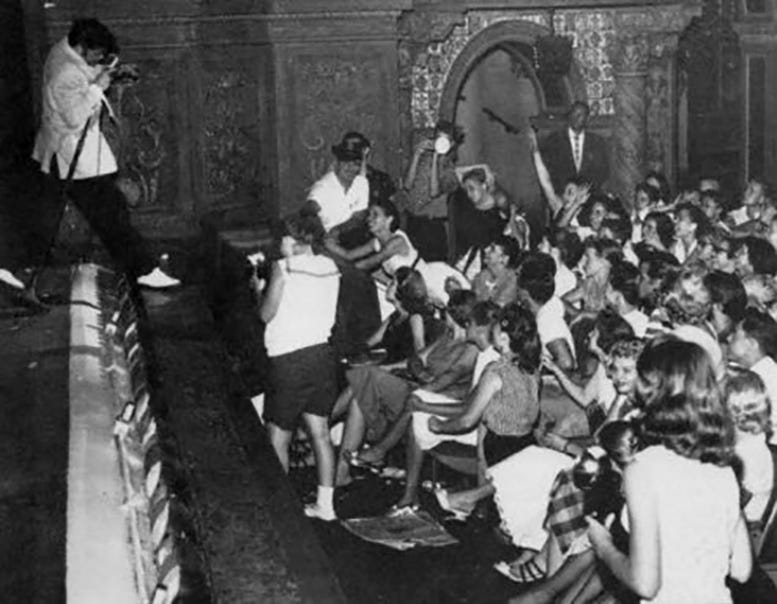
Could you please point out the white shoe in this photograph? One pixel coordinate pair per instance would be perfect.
(312, 510)
(9, 278)
(158, 279)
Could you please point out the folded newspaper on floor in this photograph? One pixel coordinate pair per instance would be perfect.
(402, 531)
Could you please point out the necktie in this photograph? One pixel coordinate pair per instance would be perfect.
(576, 151)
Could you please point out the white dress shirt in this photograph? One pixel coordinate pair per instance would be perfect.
(577, 140)
(338, 204)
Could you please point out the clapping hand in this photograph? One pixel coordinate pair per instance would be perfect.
(599, 534)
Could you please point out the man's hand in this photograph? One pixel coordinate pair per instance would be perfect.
(435, 424)
(104, 79)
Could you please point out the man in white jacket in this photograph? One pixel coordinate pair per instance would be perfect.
(70, 144)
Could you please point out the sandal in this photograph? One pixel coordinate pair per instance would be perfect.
(456, 514)
(528, 572)
(358, 462)
(402, 510)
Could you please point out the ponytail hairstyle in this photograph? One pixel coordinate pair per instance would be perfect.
(519, 324)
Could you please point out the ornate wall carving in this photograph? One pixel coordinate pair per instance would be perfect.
(231, 146)
(330, 92)
(148, 141)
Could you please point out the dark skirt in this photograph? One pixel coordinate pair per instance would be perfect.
(497, 447)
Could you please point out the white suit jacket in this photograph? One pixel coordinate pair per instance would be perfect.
(71, 98)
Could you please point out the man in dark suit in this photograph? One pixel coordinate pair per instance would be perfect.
(574, 153)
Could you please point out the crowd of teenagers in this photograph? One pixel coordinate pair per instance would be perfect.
(611, 372)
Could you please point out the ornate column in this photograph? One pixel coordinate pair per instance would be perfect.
(660, 126)
(630, 62)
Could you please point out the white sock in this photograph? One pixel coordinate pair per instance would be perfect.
(325, 498)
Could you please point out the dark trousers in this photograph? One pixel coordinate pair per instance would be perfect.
(429, 236)
(104, 207)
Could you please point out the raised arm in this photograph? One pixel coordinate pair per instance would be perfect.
(582, 395)
(554, 201)
(395, 245)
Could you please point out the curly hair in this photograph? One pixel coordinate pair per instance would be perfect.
(683, 407)
(411, 291)
(519, 324)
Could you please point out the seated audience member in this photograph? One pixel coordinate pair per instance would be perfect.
(646, 199)
(430, 178)
(388, 249)
(753, 255)
(750, 412)
(505, 400)
(299, 306)
(377, 399)
(589, 296)
(713, 207)
(413, 324)
(753, 204)
(618, 229)
(729, 301)
(607, 396)
(497, 281)
(658, 271)
(722, 258)
(753, 345)
(622, 295)
(681, 493)
(488, 221)
(657, 233)
(658, 181)
(761, 294)
(562, 207)
(565, 565)
(689, 226)
(591, 216)
(341, 196)
(535, 290)
(708, 183)
(566, 249)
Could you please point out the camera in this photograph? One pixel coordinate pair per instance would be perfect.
(442, 144)
(125, 74)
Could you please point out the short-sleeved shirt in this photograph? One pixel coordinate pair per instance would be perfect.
(551, 325)
(337, 204)
(501, 291)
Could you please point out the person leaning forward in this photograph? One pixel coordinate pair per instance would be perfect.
(75, 154)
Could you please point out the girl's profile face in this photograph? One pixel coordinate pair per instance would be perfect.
(475, 190)
(627, 449)
(649, 230)
(377, 219)
(598, 214)
(641, 200)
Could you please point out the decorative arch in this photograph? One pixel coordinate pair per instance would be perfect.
(504, 32)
